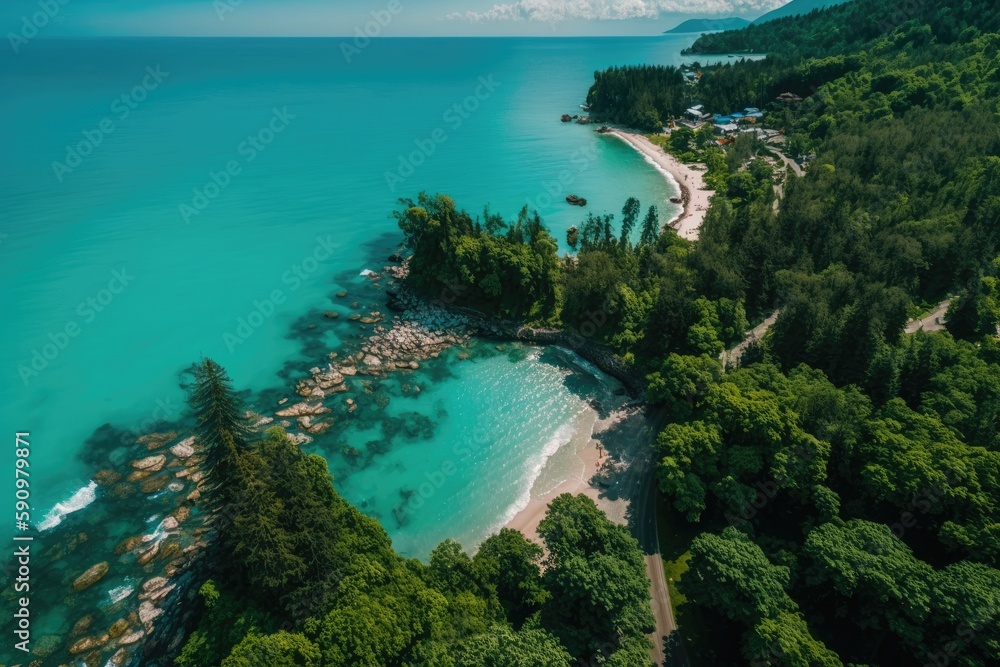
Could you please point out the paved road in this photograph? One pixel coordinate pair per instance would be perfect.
(731, 358)
(932, 322)
(645, 530)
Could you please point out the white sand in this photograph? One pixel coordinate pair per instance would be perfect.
(587, 458)
(691, 182)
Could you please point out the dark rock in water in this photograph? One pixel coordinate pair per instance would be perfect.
(82, 625)
(396, 257)
(566, 118)
(603, 129)
(676, 200)
(576, 201)
(341, 294)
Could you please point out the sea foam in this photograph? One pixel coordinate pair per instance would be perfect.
(77, 502)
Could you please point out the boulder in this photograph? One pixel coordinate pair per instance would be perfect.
(147, 612)
(148, 554)
(154, 584)
(304, 408)
(184, 448)
(128, 544)
(87, 644)
(118, 628)
(94, 574)
(118, 659)
(150, 463)
(132, 637)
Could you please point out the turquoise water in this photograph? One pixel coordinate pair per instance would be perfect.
(124, 265)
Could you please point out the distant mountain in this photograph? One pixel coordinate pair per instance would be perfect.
(708, 25)
(797, 7)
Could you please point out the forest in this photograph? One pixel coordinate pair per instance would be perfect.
(842, 486)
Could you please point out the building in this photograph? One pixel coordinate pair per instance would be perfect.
(697, 112)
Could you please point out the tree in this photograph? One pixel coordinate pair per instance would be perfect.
(510, 563)
(630, 214)
(731, 573)
(222, 429)
(597, 577)
(865, 562)
(277, 650)
(502, 647)
(785, 641)
(650, 227)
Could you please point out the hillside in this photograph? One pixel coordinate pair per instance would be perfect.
(796, 7)
(708, 25)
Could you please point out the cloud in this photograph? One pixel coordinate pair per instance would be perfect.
(610, 10)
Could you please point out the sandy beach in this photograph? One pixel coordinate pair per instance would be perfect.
(691, 182)
(590, 457)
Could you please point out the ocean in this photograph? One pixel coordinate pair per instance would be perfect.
(162, 200)
(156, 193)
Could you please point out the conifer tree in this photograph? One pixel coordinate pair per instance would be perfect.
(650, 227)
(222, 430)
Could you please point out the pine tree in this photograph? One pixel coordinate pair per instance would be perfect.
(630, 214)
(223, 431)
(650, 227)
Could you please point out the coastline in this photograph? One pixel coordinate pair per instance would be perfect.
(695, 198)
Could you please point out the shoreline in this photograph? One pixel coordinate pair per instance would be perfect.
(691, 182)
(591, 460)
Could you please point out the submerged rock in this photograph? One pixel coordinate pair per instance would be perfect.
(82, 625)
(94, 574)
(154, 484)
(156, 440)
(107, 477)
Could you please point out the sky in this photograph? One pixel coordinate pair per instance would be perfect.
(343, 17)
